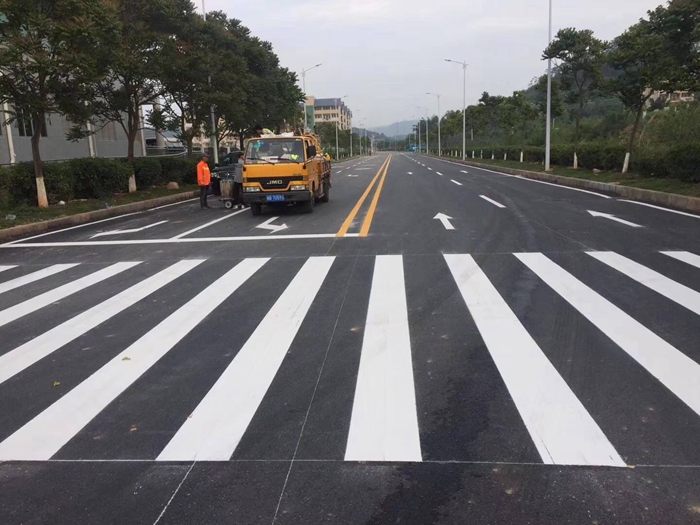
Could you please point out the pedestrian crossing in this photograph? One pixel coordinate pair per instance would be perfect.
(389, 420)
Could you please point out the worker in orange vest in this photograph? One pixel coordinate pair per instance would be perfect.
(204, 180)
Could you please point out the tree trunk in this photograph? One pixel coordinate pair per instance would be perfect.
(576, 133)
(630, 145)
(131, 137)
(41, 198)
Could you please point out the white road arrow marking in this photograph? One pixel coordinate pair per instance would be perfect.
(272, 227)
(457, 183)
(133, 230)
(613, 218)
(445, 220)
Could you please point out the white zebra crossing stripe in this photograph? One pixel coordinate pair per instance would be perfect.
(4, 268)
(34, 276)
(675, 370)
(44, 435)
(23, 356)
(214, 429)
(40, 301)
(686, 257)
(659, 283)
(561, 428)
(384, 422)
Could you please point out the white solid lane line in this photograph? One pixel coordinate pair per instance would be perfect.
(179, 241)
(48, 432)
(40, 301)
(215, 221)
(686, 257)
(214, 429)
(660, 208)
(659, 283)
(19, 241)
(22, 357)
(675, 370)
(4, 268)
(457, 183)
(174, 204)
(561, 428)
(492, 201)
(131, 230)
(34, 276)
(384, 422)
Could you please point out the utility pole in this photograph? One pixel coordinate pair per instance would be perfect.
(303, 86)
(464, 105)
(548, 142)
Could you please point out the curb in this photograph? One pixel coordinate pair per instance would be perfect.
(82, 218)
(671, 200)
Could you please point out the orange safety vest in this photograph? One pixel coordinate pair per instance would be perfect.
(203, 174)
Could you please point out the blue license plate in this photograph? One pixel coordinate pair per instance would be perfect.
(275, 198)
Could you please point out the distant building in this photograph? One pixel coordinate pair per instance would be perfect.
(15, 141)
(676, 97)
(330, 110)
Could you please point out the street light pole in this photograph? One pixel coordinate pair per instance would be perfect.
(212, 137)
(464, 105)
(548, 146)
(303, 86)
(439, 125)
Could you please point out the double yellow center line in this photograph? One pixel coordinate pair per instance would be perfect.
(364, 231)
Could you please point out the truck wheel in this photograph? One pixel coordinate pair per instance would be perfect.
(256, 209)
(326, 191)
(308, 206)
(228, 204)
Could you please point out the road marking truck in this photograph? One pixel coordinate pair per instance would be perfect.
(287, 169)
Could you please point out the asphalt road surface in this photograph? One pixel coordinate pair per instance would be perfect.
(439, 344)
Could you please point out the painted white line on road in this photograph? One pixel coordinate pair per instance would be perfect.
(40, 301)
(613, 218)
(410, 173)
(384, 421)
(44, 435)
(22, 357)
(675, 370)
(457, 183)
(561, 428)
(462, 171)
(34, 276)
(685, 257)
(215, 221)
(492, 201)
(131, 230)
(214, 429)
(174, 204)
(531, 180)
(439, 173)
(5, 268)
(18, 241)
(136, 242)
(669, 288)
(661, 208)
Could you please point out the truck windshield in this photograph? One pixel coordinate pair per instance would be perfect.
(274, 150)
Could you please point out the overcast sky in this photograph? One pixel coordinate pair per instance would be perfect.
(385, 54)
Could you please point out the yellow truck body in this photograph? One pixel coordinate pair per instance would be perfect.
(285, 169)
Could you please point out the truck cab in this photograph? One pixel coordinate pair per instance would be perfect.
(287, 169)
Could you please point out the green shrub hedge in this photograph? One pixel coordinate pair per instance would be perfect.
(148, 172)
(99, 178)
(18, 183)
(679, 162)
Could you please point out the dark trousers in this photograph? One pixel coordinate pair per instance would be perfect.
(237, 193)
(203, 190)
